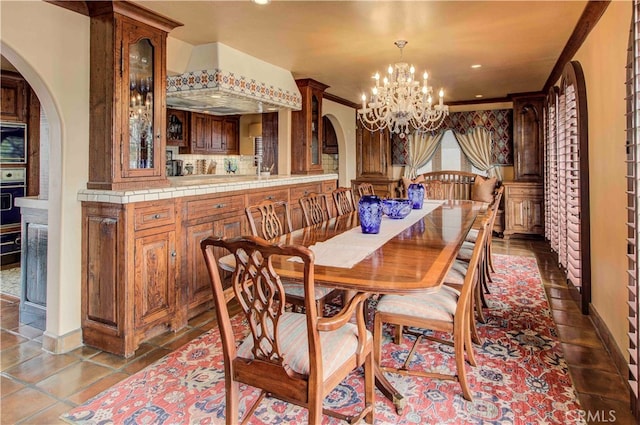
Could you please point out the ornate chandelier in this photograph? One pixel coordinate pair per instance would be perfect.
(401, 103)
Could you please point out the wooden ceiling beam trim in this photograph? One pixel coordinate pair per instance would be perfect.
(592, 13)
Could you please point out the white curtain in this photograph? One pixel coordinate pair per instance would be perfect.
(476, 145)
(422, 146)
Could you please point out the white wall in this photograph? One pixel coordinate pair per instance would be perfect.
(343, 119)
(49, 45)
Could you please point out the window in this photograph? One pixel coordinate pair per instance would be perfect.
(449, 156)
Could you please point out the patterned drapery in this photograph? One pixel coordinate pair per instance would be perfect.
(498, 121)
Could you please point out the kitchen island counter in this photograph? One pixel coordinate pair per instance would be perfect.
(143, 271)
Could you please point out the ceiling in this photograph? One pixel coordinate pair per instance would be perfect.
(343, 43)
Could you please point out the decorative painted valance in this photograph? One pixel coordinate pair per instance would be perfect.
(498, 121)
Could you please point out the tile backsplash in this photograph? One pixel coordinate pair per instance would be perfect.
(215, 164)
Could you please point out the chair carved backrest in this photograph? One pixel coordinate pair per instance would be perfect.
(436, 189)
(343, 198)
(271, 225)
(461, 182)
(260, 293)
(315, 208)
(365, 189)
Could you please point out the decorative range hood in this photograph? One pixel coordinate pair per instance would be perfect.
(221, 80)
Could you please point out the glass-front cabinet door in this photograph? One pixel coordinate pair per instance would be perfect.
(315, 128)
(142, 136)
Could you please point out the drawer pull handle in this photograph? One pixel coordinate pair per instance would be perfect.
(156, 216)
(220, 205)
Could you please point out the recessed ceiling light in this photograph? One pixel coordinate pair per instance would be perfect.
(478, 95)
(261, 1)
(476, 66)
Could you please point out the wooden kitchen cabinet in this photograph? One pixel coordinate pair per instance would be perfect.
(143, 271)
(528, 137)
(155, 278)
(212, 134)
(127, 96)
(524, 208)
(129, 274)
(306, 129)
(13, 95)
(177, 128)
(297, 192)
(373, 162)
(204, 217)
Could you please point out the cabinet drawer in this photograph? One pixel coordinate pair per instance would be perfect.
(154, 216)
(298, 192)
(528, 192)
(329, 186)
(221, 205)
(268, 195)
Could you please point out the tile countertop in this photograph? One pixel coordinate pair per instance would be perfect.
(197, 185)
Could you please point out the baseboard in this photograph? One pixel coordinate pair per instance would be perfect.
(619, 360)
(62, 344)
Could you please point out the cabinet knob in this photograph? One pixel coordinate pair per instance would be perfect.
(156, 216)
(219, 206)
(174, 254)
(270, 197)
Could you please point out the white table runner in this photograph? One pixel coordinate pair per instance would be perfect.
(349, 248)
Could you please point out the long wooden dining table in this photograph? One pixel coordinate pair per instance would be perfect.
(415, 259)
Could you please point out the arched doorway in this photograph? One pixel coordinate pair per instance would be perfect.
(54, 190)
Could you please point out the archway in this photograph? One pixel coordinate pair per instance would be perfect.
(342, 163)
(48, 105)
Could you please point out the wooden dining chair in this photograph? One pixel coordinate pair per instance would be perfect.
(466, 251)
(315, 208)
(365, 189)
(299, 358)
(343, 198)
(446, 309)
(436, 189)
(271, 215)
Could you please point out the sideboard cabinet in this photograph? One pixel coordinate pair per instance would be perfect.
(524, 208)
(127, 96)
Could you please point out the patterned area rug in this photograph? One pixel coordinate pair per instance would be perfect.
(10, 281)
(521, 377)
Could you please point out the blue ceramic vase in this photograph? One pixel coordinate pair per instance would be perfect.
(415, 192)
(370, 210)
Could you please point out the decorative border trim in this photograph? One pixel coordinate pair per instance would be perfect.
(231, 83)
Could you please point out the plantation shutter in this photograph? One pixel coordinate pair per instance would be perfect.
(571, 165)
(562, 189)
(633, 168)
(567, 179)
(551, 170)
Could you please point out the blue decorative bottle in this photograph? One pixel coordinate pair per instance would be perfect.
(370, 210)
(415, 192)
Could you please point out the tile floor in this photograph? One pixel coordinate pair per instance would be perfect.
(36, 387)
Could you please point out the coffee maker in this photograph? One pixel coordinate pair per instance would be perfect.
(174, 167)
